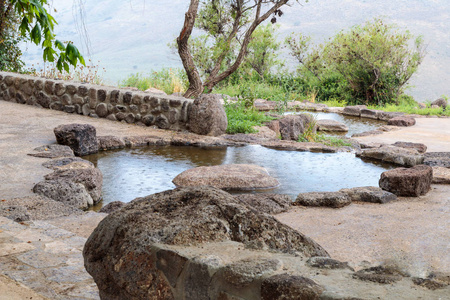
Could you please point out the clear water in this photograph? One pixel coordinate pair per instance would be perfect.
(132, 173)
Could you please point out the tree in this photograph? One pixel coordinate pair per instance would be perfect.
(227, 21)
(36, 25)
(10, 52)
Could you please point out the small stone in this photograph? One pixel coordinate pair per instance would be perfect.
(441, 175)
(421, 148)
(379, 274)
(228, 177)
(285, 286)
(402, 121)
(327, 263)
(82, 138)
(65, 191)
(328, 199)
(53, 151)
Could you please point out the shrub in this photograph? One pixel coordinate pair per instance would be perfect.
(242, 119)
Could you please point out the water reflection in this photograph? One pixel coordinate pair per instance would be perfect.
(133, 173)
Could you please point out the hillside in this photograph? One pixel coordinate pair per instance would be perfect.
(132, 36)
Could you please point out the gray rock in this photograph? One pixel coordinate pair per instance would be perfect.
(370, 113)
(412, 182)
(266, 203)
(421, 148)
(369, 194)
(367, 133)
(396, 155)
(112, 207)
(327, 263)
(441, 102)
(331, 125)
(65, 191)
(92, 179)
(59, 162)
(387, 115)
(53, 151)
(207, 116)
(437, 159)
(293, 126)
(227, 177)
(328, 199)
(402, 121)
(379, 274)
(82, 138)
(120, 253)
(353, 110)
(110, 142)
(285, 286)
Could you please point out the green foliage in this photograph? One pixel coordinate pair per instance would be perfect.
(369, 64)
(36, 25)
(10, 52)
(309, 134)
(168, 80)
(242, 119)
(332, 141)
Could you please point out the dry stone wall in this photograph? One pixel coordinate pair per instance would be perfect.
(165, 112)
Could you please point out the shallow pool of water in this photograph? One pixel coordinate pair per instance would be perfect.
(132, 173)
(354, 124)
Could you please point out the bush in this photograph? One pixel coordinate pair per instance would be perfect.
(242, 119)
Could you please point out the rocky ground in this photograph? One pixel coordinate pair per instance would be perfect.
(44, 256)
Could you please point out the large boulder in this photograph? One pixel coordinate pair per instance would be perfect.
(441, 102)
(82, 138)
(409, 182)
(402, 121)
(91, 178)
(328, 199)
(65, 191)
(396, 155)
(331, 125)
(293, 126)
(227, 177)
(140, 251)
(207, 116)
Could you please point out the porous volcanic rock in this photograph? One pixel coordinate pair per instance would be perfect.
(327, 263)
(227, 177)
(65, 191)
(421, 148)
(16, 213)
(402, 121)
(437, 159)
(331, 125)
(441, 175)
(285, 286)
(53, 151)
(82, 138)
(266, 203)
(328, 199)
(441, 102)
(207, 116)
(379, 274)
(396, 155)
(124, 253)
(410, 182)
(92, 179)
(371, 194)
(293, 126)
(110, 142)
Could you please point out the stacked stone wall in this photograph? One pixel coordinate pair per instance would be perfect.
(134, 107)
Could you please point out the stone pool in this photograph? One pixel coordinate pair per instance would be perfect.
(132, 173)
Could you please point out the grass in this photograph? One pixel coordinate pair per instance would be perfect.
(168, 80)
(332, 141)
(242, 119)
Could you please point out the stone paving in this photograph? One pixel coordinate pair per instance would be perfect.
(46, 258)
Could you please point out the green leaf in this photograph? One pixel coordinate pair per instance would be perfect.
(36, 34)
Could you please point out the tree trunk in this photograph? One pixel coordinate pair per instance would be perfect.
(195, 82)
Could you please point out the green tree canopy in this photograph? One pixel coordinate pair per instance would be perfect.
(35, 24)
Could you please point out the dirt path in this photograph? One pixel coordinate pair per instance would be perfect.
(433, 132)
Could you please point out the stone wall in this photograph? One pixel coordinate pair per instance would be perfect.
(165, 112)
